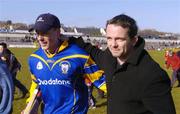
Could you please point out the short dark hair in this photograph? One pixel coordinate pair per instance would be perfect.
(4, 45)
(125, 22)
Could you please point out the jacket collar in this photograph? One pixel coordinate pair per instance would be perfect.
(136, 54)
(112, 59)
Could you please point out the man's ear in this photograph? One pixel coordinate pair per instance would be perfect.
(134, 40)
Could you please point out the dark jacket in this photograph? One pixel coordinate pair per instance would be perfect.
(11, 61)
(139, 86)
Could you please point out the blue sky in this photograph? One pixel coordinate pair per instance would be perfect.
(162, 15)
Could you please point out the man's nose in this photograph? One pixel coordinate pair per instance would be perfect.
(114, 43)
(40, 38)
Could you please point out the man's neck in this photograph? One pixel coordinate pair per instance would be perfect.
(56, 48)
(52, 51)
(121, 61)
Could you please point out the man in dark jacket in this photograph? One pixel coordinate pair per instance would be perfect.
(14, 66)
(135, 82)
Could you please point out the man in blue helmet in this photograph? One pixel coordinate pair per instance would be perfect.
(59, 69)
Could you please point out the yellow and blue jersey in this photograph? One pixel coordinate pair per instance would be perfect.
(60, 78)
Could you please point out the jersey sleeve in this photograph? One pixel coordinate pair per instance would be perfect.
(94, 74)
(34, 85)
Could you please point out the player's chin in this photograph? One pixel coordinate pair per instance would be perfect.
(116, 54)
(44, 47)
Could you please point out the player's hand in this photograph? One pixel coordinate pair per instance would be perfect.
(72, 39)
(79, 41)
(22, 112)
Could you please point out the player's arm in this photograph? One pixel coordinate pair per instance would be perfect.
(33, 100)
(95, 75)
(32, 88)
(94, 52)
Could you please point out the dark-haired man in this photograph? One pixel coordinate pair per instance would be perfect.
(135, 82)
(13, 65)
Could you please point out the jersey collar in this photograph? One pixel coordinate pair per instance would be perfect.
(61, 48)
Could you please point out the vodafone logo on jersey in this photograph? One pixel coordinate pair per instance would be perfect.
(54, 82)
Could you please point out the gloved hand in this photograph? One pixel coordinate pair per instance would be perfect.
(79, 41)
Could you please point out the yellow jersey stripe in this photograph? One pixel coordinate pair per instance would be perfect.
(95, 76)
(103, 87)
(33, 87)
(37, 56)
(69, 57)
(89, 62)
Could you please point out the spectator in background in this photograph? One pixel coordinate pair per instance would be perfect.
(173, 60)
(136, 84)
(6, 89)
(166, 55)
(14, 66)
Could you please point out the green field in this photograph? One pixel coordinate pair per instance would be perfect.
(24, 77)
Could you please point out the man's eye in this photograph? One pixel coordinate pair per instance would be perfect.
(120, 39)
